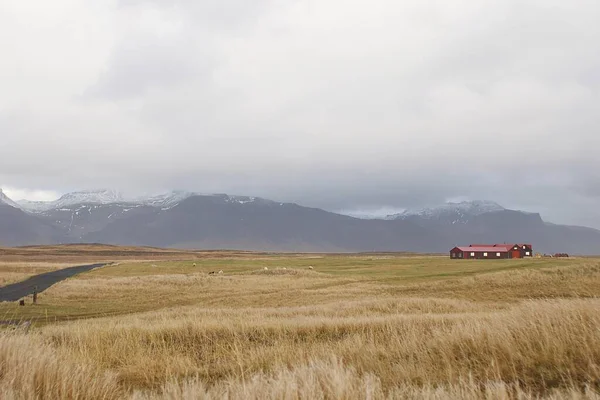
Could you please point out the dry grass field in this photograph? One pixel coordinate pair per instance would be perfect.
(11, 272)
(365, 326)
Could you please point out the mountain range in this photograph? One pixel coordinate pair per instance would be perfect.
(220, 221)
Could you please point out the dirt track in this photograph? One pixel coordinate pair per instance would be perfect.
(19, 290)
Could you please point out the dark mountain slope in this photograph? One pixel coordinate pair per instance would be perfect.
(213, 221)
(510, 226)
(80, 219)
(19, 228)
(189, 220)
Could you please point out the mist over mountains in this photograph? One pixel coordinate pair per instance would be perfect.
(220, 221)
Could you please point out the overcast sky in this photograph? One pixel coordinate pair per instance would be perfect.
(345, 105)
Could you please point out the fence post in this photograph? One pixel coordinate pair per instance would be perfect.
(34, 294)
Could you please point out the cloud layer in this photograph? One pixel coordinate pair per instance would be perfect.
(337, 104)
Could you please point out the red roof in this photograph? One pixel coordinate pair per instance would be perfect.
(502, 245)
(484, 249)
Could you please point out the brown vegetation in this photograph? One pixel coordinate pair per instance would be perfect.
(79, 253)
(31, 369)
(298, 333)
(11, 272)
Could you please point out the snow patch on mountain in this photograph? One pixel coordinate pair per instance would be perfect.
(106, 197)
(102, 196)
(458, 210)
(251, 200)
(34, 206)
(4, 199)
(165, 200)
(371, 213)
(239, 199)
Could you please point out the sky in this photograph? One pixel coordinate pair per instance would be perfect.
(350, 106)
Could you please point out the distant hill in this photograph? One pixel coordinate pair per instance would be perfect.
(19, 228)
(245, 223)
(182, 219)
(487, 222)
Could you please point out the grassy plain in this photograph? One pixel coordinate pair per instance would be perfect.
(354, 326)
(11, 272)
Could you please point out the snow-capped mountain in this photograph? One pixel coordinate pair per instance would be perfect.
(170, 199)
(453, 212)
(4, 199)
(247, 200)
(218, 221)
(102, 196)
(91, 200)
(79, 213)
(164, 200)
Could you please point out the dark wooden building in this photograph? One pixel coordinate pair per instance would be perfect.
(518, 250)
(492, 251)
(479, 252)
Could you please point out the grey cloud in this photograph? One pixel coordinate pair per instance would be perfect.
(330, 104)
(216, 14)
(138, 67)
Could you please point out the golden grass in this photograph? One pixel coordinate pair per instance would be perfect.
(577, 280)
(539, 343)
(128, 287)
(106, 253)
(521, 332)
(11, 272)
(31, 369)
(332, 379)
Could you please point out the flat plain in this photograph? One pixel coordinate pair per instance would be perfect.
(157, 323)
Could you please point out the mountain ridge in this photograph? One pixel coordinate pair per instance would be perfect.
(4, 199)
(112, 196)
(186, 219)
(474, 207)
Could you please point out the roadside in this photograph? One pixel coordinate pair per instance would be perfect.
(39, 283)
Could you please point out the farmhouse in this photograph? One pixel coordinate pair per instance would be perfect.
(492, 251)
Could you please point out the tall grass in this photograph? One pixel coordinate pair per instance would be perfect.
(331, 379)
(30, 369)
(539, 344)
(513, 334)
